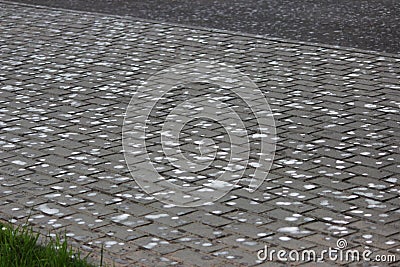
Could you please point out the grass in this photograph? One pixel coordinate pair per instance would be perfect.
(19, 247)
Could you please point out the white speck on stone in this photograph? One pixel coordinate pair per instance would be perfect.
(120, 217)
(292, 230)
(150, 245)
(219, 184)
(255, 164)
(45, 209)
(19, 162)
(258, 135)
(309, 186)
(110, 243)
(156, 216)
(262, 234)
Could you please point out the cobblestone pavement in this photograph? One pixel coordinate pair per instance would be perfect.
(67, 77)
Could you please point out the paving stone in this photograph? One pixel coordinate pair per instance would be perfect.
(47, 222)
(161, 231)
(236, 256)
(175, 210)
(201, 244)
(150, 258)
(114, 247)
(246, 229)
(329, 229)
(333, 205)
(54, 209)
(251, 218)
(208, 219)
(327, 216)
(14, 170)
(32, 189)
(283, 215)
(202, 230)
(85, 220)
(374, 215)
(294, 206)
(131, 206)
(81, 234)
(195, 259)
(41, 179)
(27, 200)
(63, 199)
(15, 211)
(373, 193)
(93, 209)
(159, 245)
(121, 232)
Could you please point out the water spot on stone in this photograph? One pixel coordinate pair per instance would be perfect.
(262, 234)
(150, 245)
(110, 243)
(120, 217)
(156, 216)
(45, 209)
(309, 186)
(291, 219)
(19, 162)
(293, 230)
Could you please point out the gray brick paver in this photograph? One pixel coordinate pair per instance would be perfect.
(67, 77)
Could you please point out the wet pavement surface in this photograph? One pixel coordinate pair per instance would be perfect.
(366, 24)
(66, 79)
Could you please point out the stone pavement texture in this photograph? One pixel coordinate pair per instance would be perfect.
(67, 77)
